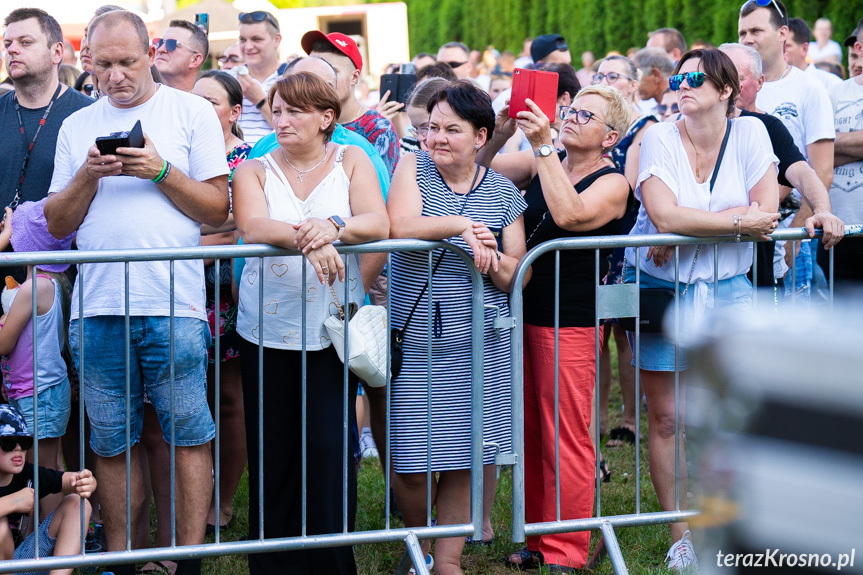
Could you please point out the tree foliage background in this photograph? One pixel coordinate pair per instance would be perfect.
(597, 25)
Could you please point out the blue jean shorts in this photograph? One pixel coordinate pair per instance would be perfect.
(27, 548)
(656, 351)
(103, 379)
(55, 406)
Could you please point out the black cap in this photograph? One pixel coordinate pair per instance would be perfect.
(542, 46)
(850, 41)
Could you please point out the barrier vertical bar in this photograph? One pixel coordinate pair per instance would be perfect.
(345, 398)
(217, 375)
(516, 346)
(261, 398)
(34, 317)
(171, 375)
(597, 350)
(677, 375)
(754, 276)
(429, 386)
(304, 399)
(81, 427)
(637, 352)
(388, 457)
(557, 384)
(128, 352)
(478, 331)
(830, 282)
(793, 273)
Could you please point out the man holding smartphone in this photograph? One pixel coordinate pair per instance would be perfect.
(172, 185)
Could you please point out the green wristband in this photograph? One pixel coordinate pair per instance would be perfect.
(161, 175)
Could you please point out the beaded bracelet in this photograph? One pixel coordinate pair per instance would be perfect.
(736, 227)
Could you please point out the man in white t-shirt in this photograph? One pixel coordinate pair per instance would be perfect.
(156, 196)
(824, 49)
(846, 193)
(791, 96)
(796, 47)
(259, 43)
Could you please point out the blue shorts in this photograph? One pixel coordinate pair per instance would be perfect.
(103, 380)
(55, 406)
(657, 351)
(27, 549)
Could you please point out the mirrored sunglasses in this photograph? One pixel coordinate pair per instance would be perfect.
(694, 79)
(171, 45)
(8, 442)
(764, 4)
(662, 109)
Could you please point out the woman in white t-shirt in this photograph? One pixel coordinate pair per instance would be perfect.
(306, 194)
(674, 185)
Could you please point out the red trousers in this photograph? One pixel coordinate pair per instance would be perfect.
(577, 361)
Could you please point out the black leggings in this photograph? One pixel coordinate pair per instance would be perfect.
(283, 457)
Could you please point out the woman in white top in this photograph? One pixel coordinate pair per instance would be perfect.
(306, 194)
(674, 185)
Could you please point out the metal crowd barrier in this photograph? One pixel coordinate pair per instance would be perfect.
(410, 535)
(613, 301)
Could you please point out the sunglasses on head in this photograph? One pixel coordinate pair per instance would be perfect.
(611, 76)
(171, 45)
(8, 442)
(258, 16)
(662, 109)
(694, 79)
(764, 4)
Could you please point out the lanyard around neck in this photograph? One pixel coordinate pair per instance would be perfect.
(17, 198)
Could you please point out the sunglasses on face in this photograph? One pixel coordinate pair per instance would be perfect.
(764, 4)
(258, 16)
(171, 45)
(611, 77)
(694, 79)
(88, 89)
(455, 65)
(662, 109)
(581, 116)
(8, 442)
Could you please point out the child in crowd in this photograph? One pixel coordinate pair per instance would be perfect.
(60, 532)
(27, 231)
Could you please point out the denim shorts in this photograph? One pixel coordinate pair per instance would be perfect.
(55, 406)
(657, 351)
(103, 380)
(27, 548)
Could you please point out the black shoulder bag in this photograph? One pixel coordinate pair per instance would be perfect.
(654, 301)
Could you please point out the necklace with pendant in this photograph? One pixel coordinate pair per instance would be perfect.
(301, 172)
(697, 153)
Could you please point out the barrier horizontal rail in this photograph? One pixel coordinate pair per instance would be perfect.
(410, 535)
(520, 528)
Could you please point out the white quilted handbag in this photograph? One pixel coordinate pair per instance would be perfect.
(368, 341)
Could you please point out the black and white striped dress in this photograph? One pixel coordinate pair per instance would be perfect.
(497, 203)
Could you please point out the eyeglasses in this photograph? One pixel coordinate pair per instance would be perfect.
(612, 77)
(8, 442)
(418, 132)
(764, 4)
(232, 59)
(258, 16)
(581, 116)
(694, 79)
(662, 109)
(455, 65)
(171, 45)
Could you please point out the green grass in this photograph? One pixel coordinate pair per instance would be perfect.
(643, 548)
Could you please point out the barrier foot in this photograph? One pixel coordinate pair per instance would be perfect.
(413, 557)
(610, 541)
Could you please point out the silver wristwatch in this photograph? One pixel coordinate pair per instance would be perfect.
(544, 150)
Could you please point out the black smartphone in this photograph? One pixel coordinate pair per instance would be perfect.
(399, 85)
(134, 138)
(202, 21)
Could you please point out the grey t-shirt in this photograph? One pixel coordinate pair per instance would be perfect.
(41, 166)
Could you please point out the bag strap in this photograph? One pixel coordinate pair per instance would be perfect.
(712, 182)
(440, 258)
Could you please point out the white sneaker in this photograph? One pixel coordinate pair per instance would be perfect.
(429, 565)
(368, 449)
(682, 554)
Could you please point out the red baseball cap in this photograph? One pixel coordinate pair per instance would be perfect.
(339, 41)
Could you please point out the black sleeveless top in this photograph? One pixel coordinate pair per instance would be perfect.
(577, 267)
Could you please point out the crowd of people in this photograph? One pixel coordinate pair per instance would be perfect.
(735, 140)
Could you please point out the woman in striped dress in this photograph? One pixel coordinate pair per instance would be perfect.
(443, 194)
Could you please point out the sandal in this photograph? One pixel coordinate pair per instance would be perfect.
(619, 436)
(604, 473)
(159, 568)
(527, 559)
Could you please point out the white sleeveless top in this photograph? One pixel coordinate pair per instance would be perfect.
(283, 276)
